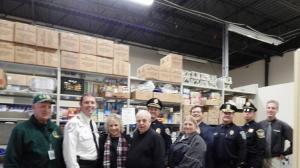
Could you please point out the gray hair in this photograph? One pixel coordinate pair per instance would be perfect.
(144, 113)
(111, 119)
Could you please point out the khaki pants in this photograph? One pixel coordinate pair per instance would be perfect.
(272, 163)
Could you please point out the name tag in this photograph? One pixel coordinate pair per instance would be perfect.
(276, 130)
(51, 154)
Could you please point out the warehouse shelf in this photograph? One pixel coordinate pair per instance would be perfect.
(233, 91)
(92, 74)
(28, 69)
(165, 103)
(24, 93)
(133, 78)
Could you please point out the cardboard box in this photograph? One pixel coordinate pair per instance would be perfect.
(104, 65)
(173, 61)
(7, 51)
(25, 54)
(213, 109)
(47, 38)
(70, 60)
(69, 42)
(87, 45)
(167, 97)
(176, 98)
(214, 114)
(176, 75)
(88, 62)
(121, 52)
(205, 117)
(212, 121)
(7, 30)
(164, 74)
(47, 57)
(187, 109)
(141, 95)
(213, 102)
(105, 48)
(120, 68)
(148, 71)
(16, 79)
(238, 119)
(25, 33)
(3, 79)
(121, 95)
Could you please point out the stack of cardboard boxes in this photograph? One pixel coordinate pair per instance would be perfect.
(28, 44)
(169, 70)
(24, 43)
(94, 54)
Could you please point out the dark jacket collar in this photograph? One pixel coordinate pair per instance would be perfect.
(35, 122)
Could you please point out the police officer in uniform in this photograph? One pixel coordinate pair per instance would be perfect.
(81, 144)
(229, 141)
(154, 106)
(255, 137)
(36, 142)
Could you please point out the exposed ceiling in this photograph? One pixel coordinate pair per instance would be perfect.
(168, 28)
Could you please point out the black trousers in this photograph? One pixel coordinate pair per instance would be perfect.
(88, 163)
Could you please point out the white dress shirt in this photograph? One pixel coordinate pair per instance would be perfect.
(79, 141)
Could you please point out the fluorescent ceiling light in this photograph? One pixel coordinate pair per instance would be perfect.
(143, 2)
(195, 59)
(254, 35)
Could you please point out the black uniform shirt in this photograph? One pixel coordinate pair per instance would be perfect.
(255, 139)
(160, 129)
(229, 144)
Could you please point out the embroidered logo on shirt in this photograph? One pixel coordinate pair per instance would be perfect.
(243, 135)
(231, 132)
(251, 130)
(260, 133)
(55, 134)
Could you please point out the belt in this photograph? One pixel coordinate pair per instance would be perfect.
(87, 162)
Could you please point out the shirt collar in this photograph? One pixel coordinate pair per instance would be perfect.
(84, 118)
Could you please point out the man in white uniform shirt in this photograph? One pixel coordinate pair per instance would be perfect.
(80, 145)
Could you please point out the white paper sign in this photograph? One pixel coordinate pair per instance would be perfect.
(128, 116)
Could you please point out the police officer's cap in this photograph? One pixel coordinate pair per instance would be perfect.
(154, 102)
(249, 107)
(42, 98)
(229, 108)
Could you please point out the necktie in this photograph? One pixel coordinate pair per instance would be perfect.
(269, 140)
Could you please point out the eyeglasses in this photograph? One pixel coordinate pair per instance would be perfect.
(196, 111)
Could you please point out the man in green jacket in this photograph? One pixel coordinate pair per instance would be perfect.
(37, 142)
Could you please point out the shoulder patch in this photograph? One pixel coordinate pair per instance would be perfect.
(260, 133)
(243, 135)
(158, 130)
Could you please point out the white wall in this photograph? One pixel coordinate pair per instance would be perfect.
(140, 56)
(251, 74)
(281, 70)
(284, 94)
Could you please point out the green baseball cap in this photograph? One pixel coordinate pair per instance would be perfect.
(41, 98)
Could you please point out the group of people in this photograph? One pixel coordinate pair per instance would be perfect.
(39, 143)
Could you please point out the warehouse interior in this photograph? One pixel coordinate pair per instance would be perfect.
(193, 29)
